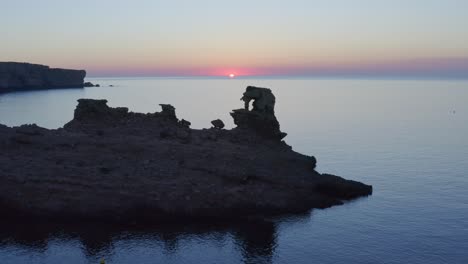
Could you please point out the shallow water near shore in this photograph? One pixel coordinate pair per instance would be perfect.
(407, 138)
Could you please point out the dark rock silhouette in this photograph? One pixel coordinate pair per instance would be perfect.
(112, 164)
(169, 111)
(90, 84)
(18, 76)
(261, 118)
(264, 100)
(218, 123)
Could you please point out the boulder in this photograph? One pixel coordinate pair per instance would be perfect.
(218, 124)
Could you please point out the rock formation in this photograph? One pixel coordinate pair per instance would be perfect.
(18, 76)
(90, 84)
(261, 118)
(218, 123)
(264, 100)
(112, 164)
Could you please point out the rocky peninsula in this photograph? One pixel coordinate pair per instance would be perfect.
(114, 165)
(23, 76)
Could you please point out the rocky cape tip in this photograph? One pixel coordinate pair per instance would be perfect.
(114, 165)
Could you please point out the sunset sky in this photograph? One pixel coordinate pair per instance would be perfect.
(410, 38)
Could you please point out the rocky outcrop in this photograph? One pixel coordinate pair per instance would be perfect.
(90, 84)
(261, 119)
(112, 164)
(218, 123)
(18, 76)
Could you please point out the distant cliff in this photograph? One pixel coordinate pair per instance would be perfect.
(18, 76)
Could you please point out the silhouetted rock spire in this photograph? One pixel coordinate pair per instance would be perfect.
(261, 118)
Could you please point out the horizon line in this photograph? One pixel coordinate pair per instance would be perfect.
(321, 76)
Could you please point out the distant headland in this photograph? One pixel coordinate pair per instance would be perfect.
(25, 76)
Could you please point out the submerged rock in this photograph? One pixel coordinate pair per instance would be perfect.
(112, 164)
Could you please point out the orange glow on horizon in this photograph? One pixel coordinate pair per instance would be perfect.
(417, 67)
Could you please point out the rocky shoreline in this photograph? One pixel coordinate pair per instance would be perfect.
(114, 165)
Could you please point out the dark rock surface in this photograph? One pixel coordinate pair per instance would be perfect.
(18, 76)
(218, 123)
(262, 118)
(90, 84)
(112, 164)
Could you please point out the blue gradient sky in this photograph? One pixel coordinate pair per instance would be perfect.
(420, 38)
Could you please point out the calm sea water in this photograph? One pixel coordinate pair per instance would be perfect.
(407, 138)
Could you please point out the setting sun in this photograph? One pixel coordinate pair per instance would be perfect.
(232, 75)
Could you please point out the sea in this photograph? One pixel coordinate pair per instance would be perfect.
(408, 138)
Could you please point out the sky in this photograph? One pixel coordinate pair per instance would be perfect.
(406, 38)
